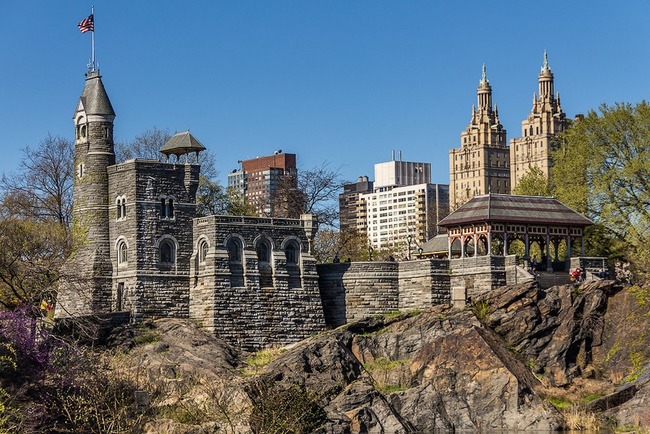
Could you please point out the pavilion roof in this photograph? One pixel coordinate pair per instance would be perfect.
(182, 143)
(504, 208)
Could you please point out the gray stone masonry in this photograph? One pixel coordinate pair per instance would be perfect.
(471, 276)
(151, 288)
(248, 302)
(423, 283)
(354, 290)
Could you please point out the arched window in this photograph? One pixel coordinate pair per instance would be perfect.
(166, 207)
(234, 249)
(120, 203)
(263, 251)
(203, 251)
(167, 252)
(291, 252)
(122, 253)
(163, 209)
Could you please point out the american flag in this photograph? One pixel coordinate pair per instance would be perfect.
(87, 24)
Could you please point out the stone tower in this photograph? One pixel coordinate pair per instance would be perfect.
(94, 152)
(480, 166)
(545, 121)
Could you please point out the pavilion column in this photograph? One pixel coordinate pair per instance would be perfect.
(505, 243)
(450, 242)
(462, 246)
(526, 246)
(475, 244)
(582, 245)
(568, 246)
(489, 246)
(549, 264)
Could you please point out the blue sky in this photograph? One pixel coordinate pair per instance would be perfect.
(337, 81)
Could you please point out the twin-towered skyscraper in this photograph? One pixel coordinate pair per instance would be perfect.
(484, 163)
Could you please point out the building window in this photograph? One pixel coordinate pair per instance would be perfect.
(80, 170)
(167, 208)
(167, 251)
(233, 246)
(203, 251)
(263, 251)
(120, 203)
(291, 252)
(122, 252)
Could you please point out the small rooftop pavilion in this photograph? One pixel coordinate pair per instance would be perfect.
(182, 143)
(490, 224)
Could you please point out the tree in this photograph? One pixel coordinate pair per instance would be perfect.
(237, 204)
(41, 189)
(31, 259)
(315, 192)
(602, 169)
(533, 183)
(35, 222)
(330, 244)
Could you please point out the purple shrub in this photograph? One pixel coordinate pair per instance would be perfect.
(30, 343)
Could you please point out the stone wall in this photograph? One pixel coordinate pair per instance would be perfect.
(353, 290)
(471, 276)
(423, 283)
(249, 302)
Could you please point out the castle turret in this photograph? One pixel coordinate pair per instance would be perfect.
(94, 152)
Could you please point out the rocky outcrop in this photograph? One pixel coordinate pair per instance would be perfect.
(554, 329)
(440, 369)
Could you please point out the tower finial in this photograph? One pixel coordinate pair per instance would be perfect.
(545, 67)
(484, 75)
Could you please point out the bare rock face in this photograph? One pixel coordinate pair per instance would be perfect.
(554, 329)
(436, 370)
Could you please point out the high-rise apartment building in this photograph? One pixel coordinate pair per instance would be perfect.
(402, 205)
(352, 207)
(481, 164)
(538, 130)
(259, 180)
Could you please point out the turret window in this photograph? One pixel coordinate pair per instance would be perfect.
(167, 251)
(120, 205)
(203, 251)
(167, 211)
(80, 170)
(122, 252)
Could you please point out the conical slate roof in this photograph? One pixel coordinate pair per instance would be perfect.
(505, 208)
(182, 143)
(94, 98)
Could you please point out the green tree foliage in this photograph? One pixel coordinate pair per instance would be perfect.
(35, 220)
(533, 183)
(602, 169)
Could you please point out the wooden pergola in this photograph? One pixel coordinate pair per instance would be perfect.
(489, 224)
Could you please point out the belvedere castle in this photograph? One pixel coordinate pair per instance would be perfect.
(252, 281)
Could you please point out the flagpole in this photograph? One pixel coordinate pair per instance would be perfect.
(92, 39)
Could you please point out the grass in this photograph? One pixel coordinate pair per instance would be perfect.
(560, 403)
(380, 369)
(481, 309)
(260, 359)
(147, 337)
(579, 419)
